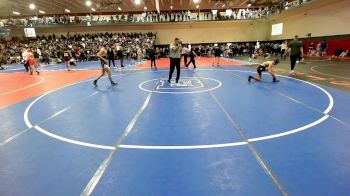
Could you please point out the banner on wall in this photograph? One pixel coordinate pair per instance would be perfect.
(29, 32)
(5, 32)
(277, 29)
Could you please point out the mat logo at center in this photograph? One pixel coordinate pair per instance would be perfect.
(186, 85)
(182, 84)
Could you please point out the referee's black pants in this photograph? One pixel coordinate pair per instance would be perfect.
(109, 62)
(153, 62)
(26, 65)
(185, 58)
(175, 62)
(293, 61)
(193, 61)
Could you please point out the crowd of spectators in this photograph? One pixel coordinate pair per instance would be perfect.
(82, 47)
(154, 17)
(134, 46)
(137, 47)
(321, 49)
(146, 17)
(268, 49)
(230, 50)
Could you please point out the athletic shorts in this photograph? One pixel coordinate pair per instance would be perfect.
(103, 64)
(260, 69)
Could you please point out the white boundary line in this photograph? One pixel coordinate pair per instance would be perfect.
(13, 137)
(91, 145)
(31, 85)
(7, 71)
(26, 120)
(102, 168)
(331, 100)
(313, 69)
(183, 147)
(72, 141)
(31, 126)
(250, 146)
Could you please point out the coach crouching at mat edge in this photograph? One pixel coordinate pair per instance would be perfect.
(175, 57)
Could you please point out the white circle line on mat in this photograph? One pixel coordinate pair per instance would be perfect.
(31, 85)
(184, 147)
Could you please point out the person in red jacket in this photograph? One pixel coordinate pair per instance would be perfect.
(32, 62)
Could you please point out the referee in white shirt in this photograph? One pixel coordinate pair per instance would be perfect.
(25, 58)
(284, 48)
(175, 57)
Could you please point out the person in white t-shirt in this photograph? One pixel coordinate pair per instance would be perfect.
(25, 58)
(284, 48)
(344, 53)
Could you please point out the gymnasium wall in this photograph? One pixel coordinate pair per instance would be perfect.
(321, 18)
(330, 19)
(216, 32)
(195, 32)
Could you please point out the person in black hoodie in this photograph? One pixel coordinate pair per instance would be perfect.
(152, 56)
(192, 58)
(110, 56)
(120, 55)
(217, 53)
